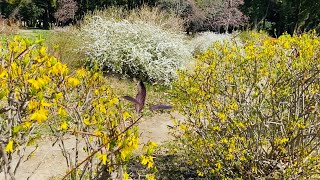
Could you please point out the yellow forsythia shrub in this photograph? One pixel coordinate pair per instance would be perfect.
(37, 91)
(252, 110)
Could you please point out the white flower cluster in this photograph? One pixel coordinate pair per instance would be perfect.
(135, 49)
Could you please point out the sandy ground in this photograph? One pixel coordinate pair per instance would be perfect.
(48, 162)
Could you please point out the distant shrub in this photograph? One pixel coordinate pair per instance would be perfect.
(252, 110)
(205, 40)
(149, 15)
(136, 49)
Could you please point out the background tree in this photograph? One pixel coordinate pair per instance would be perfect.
(228, 15)
(66, 11)
(279, 16)
(189, 10)
(30, 13)
(48, 8)
(207, 15)
(258, 11)
(10, 8)
(297, 16)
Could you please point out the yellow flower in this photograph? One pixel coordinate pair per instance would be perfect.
(27, 124)
(32, 105)
(15, 38)
(42, 50)
(59, 69)
(150, 162)
(97, 133)
(241, 125)
(126, 115)
(45, 104)
(222, 116)
(103, 158)
(242, 158)
(284, 140)
(147, 161)
(102, 108)
(58, 95)
(81, 73)
(254, 169)
(73, 82)
(301, 126)
(34, 83)
(200, 174)
(224, 140)
(152, 144)
(96, 92)
(218, 166)
(144, 160)
(183, 127)
(216, 128)
(150, 177)
(286, 45)
(233, 106)
(86, 121)
(125, 152)
(9, 147)
(40, 82)
(111, 112)
(113, 101)
(4, 73)
(14, 66)
(62, 112)
(38, 59)
(52, 61)
(230, 157)
(40, 115)
(126, 176)
(64, 125)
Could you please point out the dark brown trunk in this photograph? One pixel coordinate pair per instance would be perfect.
(46, 19)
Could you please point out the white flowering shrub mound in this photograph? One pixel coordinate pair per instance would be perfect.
(135, 49)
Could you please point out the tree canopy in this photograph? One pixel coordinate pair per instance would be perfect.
(274, 16)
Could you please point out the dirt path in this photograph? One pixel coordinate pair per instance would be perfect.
(156, 128)
(48, 161)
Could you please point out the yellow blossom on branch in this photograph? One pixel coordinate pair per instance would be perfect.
(33, 105)
(59, 69)
(39, 115)
(64, 125)
(81, 73)
(9, 147)
(72, 82)
(126, 115)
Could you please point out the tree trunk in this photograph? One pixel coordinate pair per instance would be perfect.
(46, 19)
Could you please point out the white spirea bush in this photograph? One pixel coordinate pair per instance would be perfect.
(135, 49)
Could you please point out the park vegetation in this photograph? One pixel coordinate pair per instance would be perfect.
(251, 109)
(249, 101)
(38, 91)
(132, 47)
